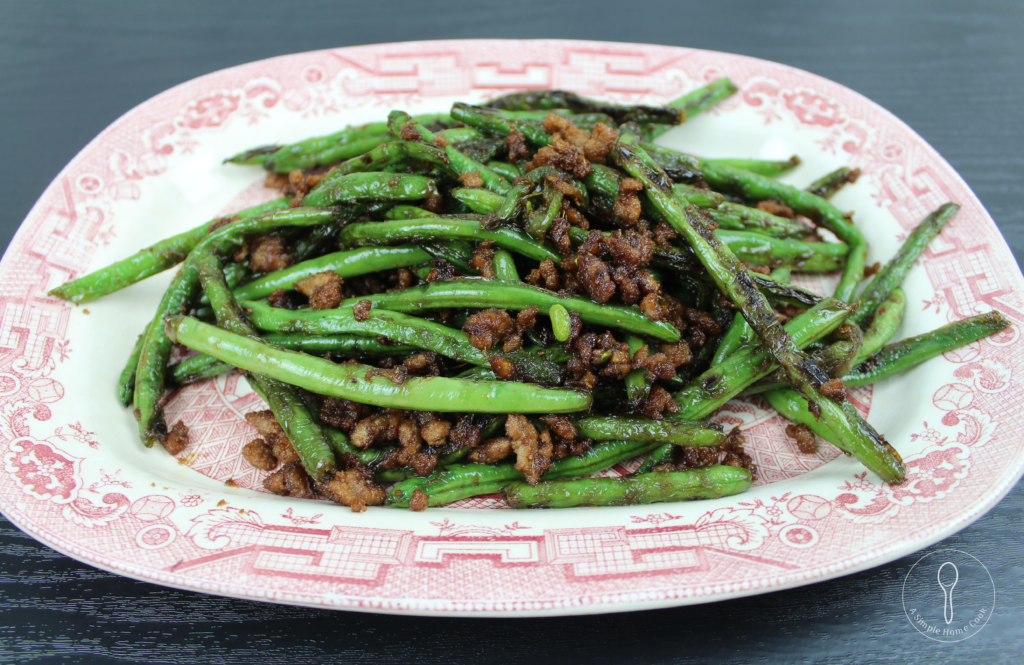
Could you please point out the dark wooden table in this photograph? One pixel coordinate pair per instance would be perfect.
(69, 69)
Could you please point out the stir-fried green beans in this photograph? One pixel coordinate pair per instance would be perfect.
(496, 300)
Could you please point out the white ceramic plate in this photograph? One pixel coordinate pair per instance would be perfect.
(75, 476)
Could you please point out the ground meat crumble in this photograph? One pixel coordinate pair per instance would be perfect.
(176, 440)
(730, 453)
(533, 452)
(805, 439)
(323, 289)
(269, 253)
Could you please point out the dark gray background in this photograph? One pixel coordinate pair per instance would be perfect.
(67, 70)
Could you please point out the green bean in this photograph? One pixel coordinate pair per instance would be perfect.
(253, 156)
(701, 198)
(505, 266)
(742, 218)
(481, 150)
(377, 159)
(390, 155)
(694, 102)
(662, 453)
(480, 200)
(126, 380)
(432, 228)
(236, 273)
(617, 428)
(838, 357)
(361, 383)
(507, 171)
(753, 186)
(408, 212)
(151, 260)
(195, 369)
(351, 263)
(792, 406)
(892, 274)
(679, 166)
(318, 240)
(313, 144)
(769, 168)
(321, 150)
(637, 385)
(360, 187)
(201, 367)
(721, 382)
(532, 100)
(331, 155)
(739, 332)
(912, 351)
(888, 319)
(543, 369)
(561, 324)
(540, 221)
(482, 294)
(783, 291)
(458, 163)
(396, 326)
(459, 253)
(493, 121)
(832, 182)
(758, 249)
(581, 120)
(603, 181)
(156, 348)
(461, 481)
(708, 482)
(289, 409)
(703, 98)
(402, 328)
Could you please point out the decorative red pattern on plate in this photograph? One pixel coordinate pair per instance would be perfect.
(74, 476)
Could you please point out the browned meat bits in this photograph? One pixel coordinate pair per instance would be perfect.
(323, 290)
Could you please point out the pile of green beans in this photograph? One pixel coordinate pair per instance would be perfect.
(499, 303)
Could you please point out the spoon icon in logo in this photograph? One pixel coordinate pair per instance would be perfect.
(947, 591)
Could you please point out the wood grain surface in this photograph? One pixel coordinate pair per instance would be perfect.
(951, 70)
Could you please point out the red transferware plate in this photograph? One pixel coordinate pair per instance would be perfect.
(75, 476)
